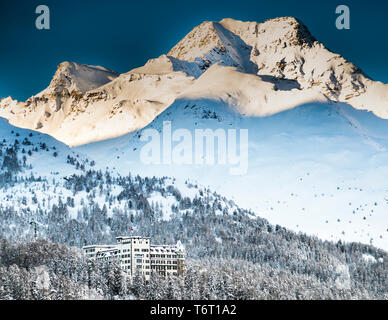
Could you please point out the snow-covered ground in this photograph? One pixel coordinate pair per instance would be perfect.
(43, 161)
(318, 168)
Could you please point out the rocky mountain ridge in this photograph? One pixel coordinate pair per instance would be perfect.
(283, 65)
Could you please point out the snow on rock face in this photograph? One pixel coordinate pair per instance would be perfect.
(47, 110)
(211, 43)
(284, 48)
(168, 64)
(128, 103)
(123, 105)
(74, 77)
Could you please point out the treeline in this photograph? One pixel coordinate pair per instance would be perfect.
(41, 270)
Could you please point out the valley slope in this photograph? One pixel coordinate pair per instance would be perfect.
(317, 124)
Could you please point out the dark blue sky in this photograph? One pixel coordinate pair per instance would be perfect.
(121, 35)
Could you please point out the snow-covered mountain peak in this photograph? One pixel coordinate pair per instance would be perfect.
(280, 63)
(235, 43)
(196, 43)
(288, 29)
(283, 48)
(75, 77)
(211, 43)
(5, 102)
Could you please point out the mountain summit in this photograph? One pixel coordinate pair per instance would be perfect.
(74, 77)
(258, 69)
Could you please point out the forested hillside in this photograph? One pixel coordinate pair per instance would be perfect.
(231, 253)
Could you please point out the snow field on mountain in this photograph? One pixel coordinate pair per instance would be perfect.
(318, 168)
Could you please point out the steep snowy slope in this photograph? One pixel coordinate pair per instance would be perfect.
(81, 104)
(318, 168)
(85, 104)
(48, 110)
(46, 182)
(75, 78)
(33, 153)
(211, 43)
(248, 94)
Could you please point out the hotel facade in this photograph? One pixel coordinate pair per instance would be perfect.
(137, 256)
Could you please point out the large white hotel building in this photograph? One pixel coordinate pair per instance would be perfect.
(137, 256)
